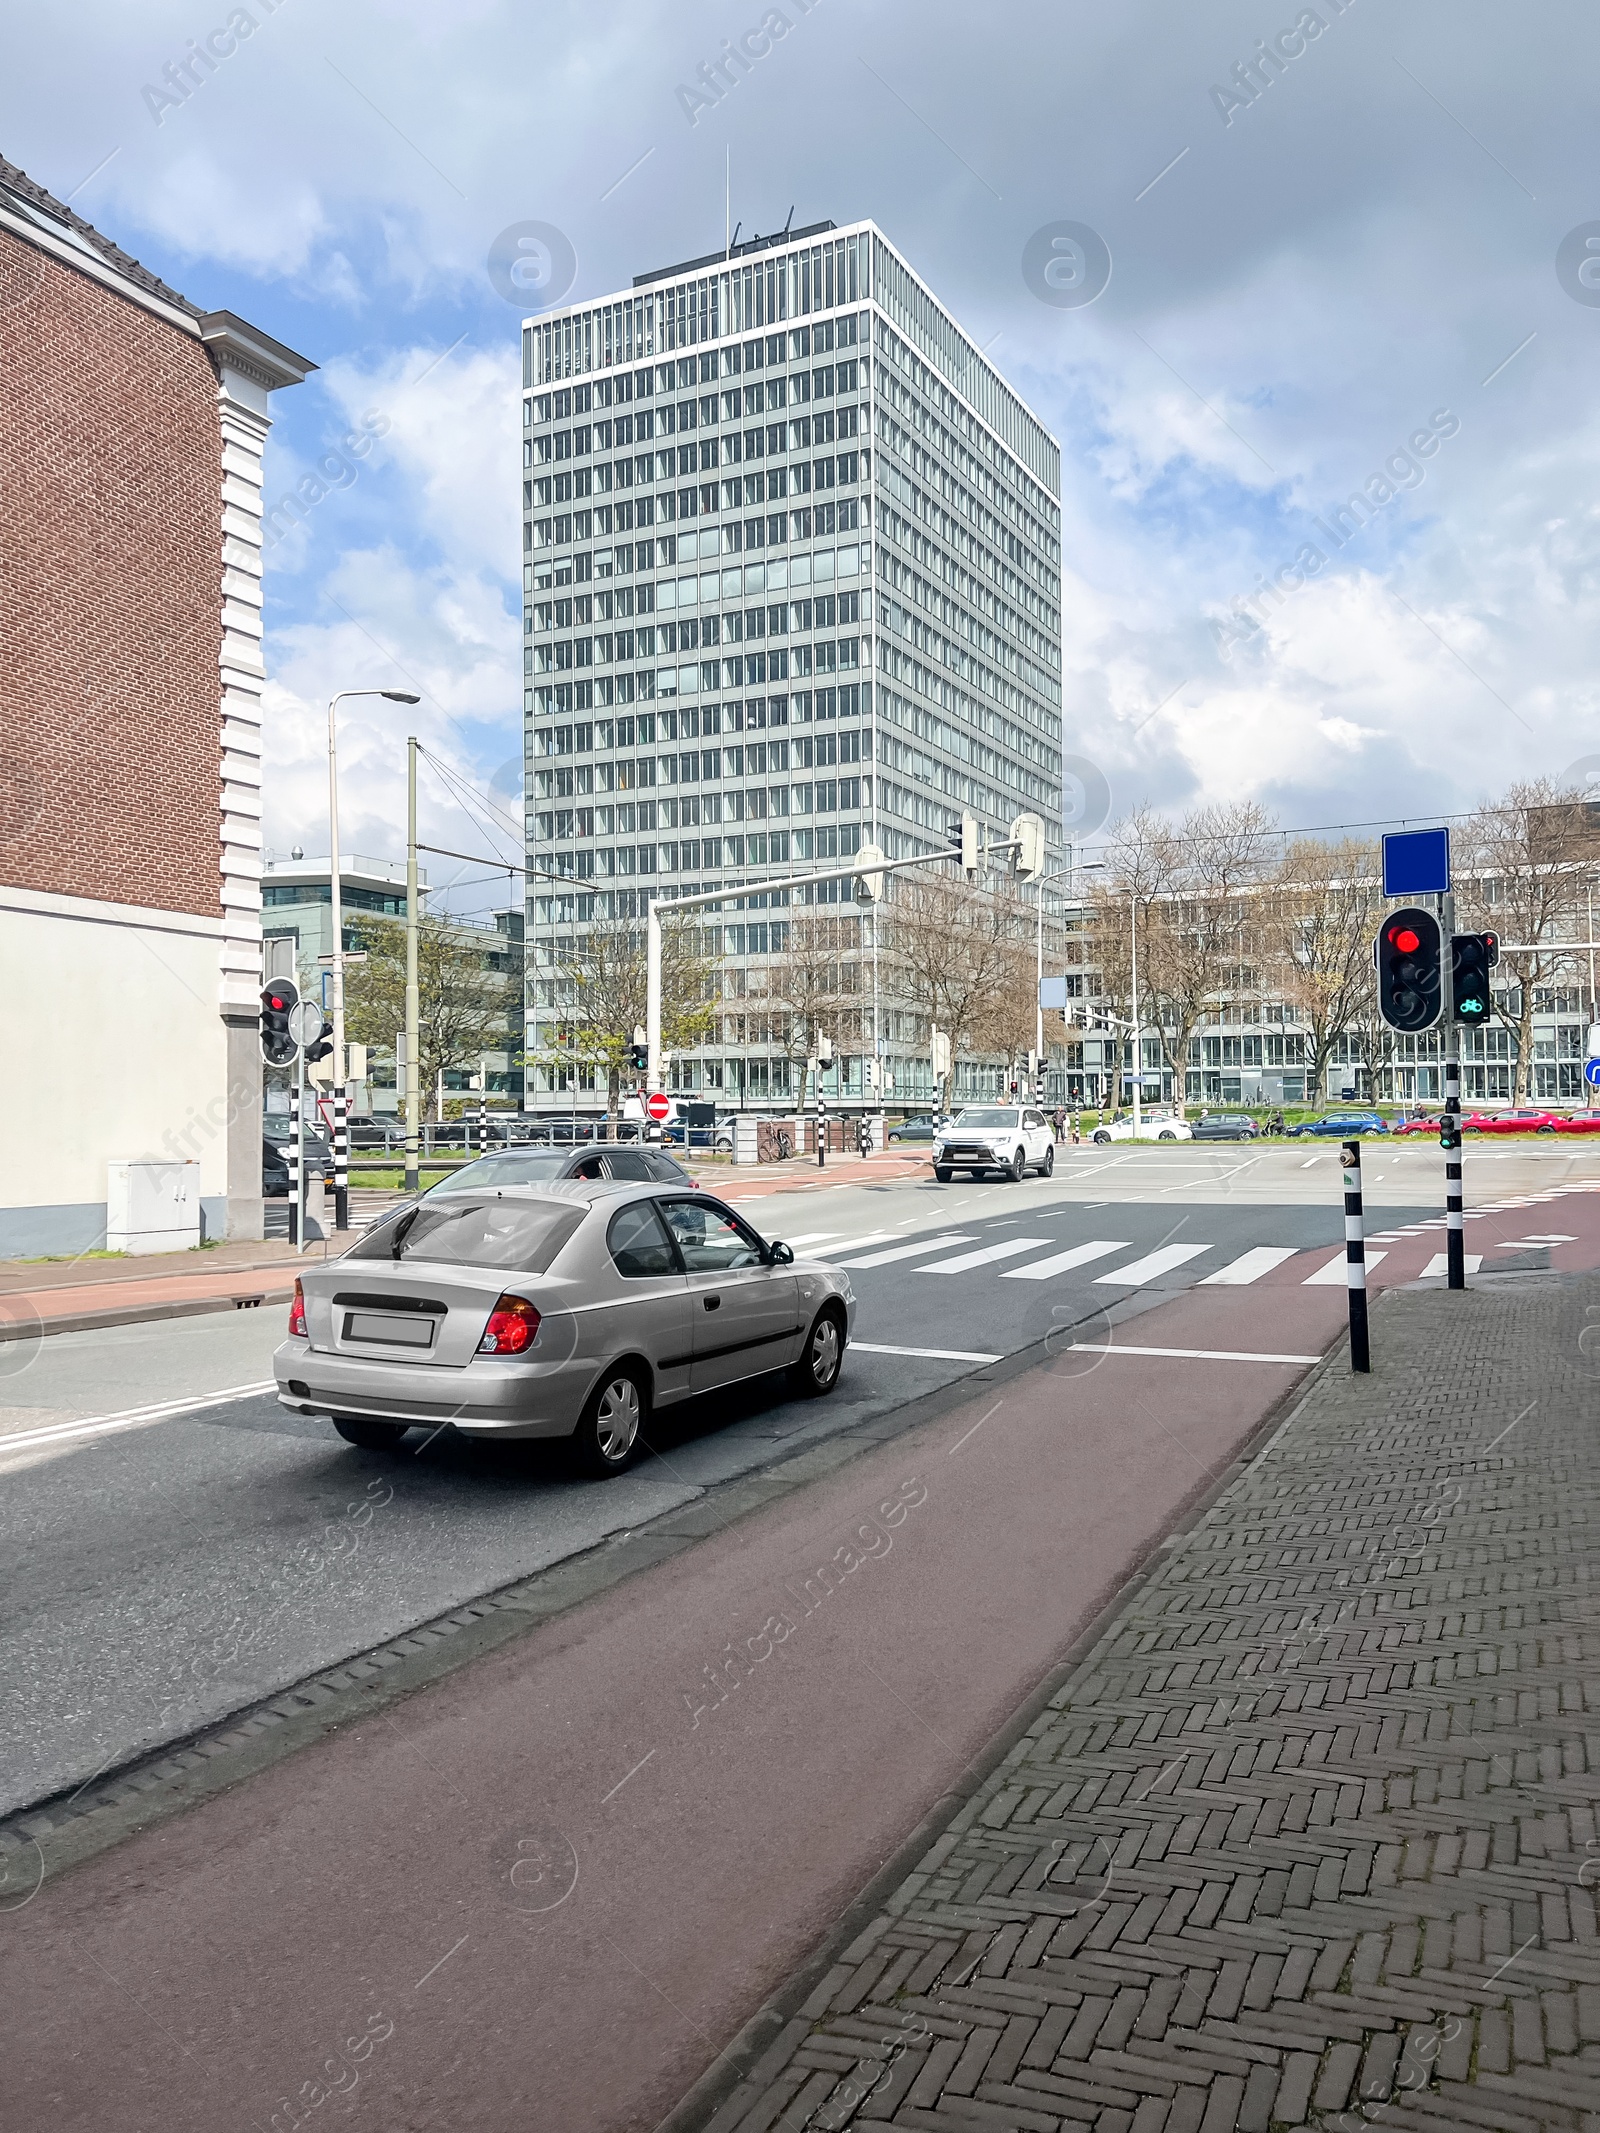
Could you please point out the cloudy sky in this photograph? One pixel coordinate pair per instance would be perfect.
(1333, 231)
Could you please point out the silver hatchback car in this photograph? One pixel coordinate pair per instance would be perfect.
(566, 1310)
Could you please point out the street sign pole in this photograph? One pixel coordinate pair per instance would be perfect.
(1450, 1125)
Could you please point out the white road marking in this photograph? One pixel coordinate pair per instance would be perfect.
(1058, 1262)
(133, 1417)
(812, 1236)
(906, 1251)
(1551, 1239)
(964, 1260)
(1239, 1273)
(1199, 1355)
(1440, 1264)
(1152, 1266)
(938, 1355)
(851, 1244)
(1332, 1276)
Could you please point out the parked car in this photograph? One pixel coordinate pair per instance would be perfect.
(1224, 1126)
(1526, 1121)
(924, 1127)
(1341, 1125)
(570, 1310)
(548, 1166)
(1006, 1137)
(275, 1139)
(1153, 1126)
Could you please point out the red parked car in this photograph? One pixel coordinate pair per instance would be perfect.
(1504, 1122)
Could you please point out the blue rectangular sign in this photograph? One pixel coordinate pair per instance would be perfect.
(1416, 863)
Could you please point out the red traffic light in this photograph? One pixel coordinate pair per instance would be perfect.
(1407, 941)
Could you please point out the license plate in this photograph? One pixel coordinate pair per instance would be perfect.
(390, 1327)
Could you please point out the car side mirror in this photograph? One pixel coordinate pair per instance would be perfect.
(780, 1255)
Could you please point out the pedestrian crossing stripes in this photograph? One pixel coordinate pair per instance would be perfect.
(1333, 1275)
(1152, 1266)
(1439, 1264)
(966, 1260)
(1239, 1273)
(1060, 1262)
(904, 1251)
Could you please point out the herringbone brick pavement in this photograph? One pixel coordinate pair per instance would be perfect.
(1309, 1839)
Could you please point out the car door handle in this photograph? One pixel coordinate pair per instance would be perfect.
(712, 1303)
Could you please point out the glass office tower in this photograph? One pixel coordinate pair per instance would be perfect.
(791, 583)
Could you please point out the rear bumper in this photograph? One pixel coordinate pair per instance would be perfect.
(509, 1400)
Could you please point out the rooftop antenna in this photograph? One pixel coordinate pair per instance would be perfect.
(734, 239)
(727, 199)
(790, 219)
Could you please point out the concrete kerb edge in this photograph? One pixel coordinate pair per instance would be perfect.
(213, 1763)
(740, 2059)
(136, 1315)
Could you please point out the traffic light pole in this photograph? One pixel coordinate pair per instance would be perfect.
(411, 1072)
(341, 1157)
(1355, 1253)
(297, 1149)
(1450, 1124)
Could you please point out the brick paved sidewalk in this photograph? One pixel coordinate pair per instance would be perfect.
(1309, 1838)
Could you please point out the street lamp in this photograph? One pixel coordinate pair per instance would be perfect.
(393, 696)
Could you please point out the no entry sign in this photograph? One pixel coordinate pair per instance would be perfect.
(658, 1105)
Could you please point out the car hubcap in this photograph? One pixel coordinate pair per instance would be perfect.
(617, 1423)
(825, 1351)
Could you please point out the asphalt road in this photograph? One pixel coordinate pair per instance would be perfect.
(166, 1568)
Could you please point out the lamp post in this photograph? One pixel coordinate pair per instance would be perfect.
(393, 696)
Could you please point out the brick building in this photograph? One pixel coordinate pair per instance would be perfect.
(133, 427)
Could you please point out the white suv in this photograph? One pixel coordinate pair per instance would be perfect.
(994, 1137)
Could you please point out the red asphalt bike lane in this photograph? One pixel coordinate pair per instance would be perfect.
(547, 1890)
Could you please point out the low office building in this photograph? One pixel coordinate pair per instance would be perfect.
(130, 728)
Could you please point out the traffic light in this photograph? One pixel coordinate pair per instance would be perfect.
(868, 884)
(322, 1043)
(1027, 839)
(1471, 956)
(968, 840)
(640, 1056)
(278, 1001)
(1408, 950)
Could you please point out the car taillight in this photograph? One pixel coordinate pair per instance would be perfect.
(512, 1325)
(297, 1315)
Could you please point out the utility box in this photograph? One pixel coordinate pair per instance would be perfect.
(152, 1205)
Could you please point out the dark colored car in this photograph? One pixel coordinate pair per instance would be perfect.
(1341, 1125)
(275, 1138)
(548, 1166)
(921, 1128)
(1225, 1126)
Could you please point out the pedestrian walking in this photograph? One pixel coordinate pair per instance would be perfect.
(1059, 1123)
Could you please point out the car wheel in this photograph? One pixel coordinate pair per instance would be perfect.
(1101, 1138)
(1047, 1167)
(943, 1173)
(1018, 1165)
(371, 1436)
(1544, 1129)
(1166, 1136)
(817, 1371)
(607, 1438)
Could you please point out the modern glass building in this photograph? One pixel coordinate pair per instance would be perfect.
(792, 582)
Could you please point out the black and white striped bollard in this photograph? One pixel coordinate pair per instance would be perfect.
(341, 1158)
(1455, 1243)
(822, 1134)
(1355, 1253)
(295, 1200)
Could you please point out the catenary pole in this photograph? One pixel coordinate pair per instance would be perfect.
(411, 1073)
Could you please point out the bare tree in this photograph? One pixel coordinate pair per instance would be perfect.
(1525, 880)
(469, 1003)
(964, 954)
(1320, 913)
(816, 982)
(1187, 889)
(605, 969)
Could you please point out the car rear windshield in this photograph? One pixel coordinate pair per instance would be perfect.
(988, 1117)
(522, 1235)
(505, 1170)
